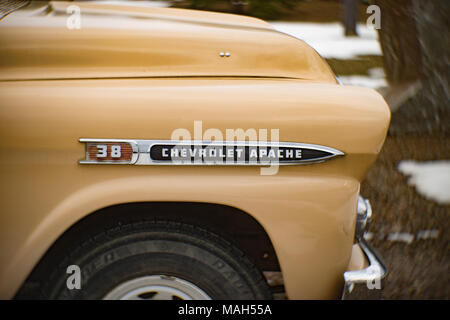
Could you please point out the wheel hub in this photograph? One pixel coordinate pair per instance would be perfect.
(157, 287)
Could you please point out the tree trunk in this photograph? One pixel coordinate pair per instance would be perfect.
(433, 25)
(399, 41)
(415, 37)
(350, 16)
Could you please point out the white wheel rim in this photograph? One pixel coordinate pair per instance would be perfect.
(157, 287)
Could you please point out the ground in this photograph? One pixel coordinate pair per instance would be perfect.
(418, 268)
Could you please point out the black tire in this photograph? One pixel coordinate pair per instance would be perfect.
(147, 248)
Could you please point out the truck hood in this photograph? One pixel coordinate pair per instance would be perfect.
(50, 40)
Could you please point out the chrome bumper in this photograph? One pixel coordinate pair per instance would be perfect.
(372, 275)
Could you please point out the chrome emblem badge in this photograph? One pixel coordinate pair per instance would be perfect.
(169, 152)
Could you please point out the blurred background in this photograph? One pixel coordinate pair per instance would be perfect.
(401, 49)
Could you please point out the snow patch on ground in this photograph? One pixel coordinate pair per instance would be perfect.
(405, 237)
(329, 41)
(377, 73)
(363, 81)
(401, 237)
(375, 80)
(428, 234)
(431, 179)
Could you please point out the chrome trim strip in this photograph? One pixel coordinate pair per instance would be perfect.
(141, 151)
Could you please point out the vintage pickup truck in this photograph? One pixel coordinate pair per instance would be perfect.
(150, 153)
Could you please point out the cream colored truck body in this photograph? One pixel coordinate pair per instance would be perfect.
(139, 73)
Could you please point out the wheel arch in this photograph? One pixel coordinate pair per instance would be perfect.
(233, 224)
